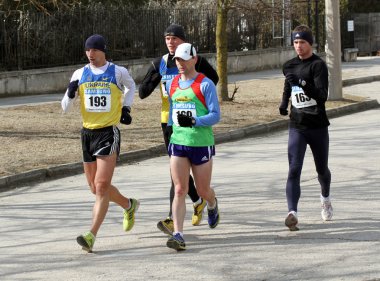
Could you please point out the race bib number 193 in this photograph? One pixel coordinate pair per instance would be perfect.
(97, 99)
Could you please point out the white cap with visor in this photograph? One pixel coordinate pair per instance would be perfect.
(185, 51)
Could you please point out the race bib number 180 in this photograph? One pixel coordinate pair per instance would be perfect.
(300, 99)
(97, 100)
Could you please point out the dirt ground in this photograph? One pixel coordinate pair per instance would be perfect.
(40, 136)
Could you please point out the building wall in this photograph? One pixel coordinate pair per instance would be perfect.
(54, 80)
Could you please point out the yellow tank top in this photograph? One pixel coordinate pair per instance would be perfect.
(100, 98)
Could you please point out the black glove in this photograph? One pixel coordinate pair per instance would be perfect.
(168, 131)
(184, 120)
(125, 116)
(72, 88)
(284, 107)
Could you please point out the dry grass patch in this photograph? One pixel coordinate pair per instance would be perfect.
(39, 136)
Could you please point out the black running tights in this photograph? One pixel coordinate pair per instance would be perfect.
(318, 140)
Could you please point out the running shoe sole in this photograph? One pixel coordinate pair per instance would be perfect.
(291, 222)
(82, 242)
(174, 244)
(164, 229)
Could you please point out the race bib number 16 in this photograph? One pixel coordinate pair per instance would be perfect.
(300, 99)
(97, 100)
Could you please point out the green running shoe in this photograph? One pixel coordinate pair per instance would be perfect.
(87, 241)
(129, 215)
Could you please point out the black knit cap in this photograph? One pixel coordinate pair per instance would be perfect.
(96, 41)
(175, 30)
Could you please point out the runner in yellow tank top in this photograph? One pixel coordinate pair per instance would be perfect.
(106, 95)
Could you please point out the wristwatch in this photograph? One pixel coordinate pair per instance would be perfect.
(193, 121)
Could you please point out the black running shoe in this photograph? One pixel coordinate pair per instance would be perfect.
(213, 215)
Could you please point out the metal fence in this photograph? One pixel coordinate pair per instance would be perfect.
(34, 40)
(367, 33)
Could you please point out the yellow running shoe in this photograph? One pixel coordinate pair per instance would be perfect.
(166, 226)
(87, 241)
(129, 215)
(198, 213)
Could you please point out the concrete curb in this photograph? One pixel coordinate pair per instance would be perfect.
(70, 169)
(65, 170)
(360, 80)
(353, 108)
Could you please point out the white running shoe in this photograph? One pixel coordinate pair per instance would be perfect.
(327, 209)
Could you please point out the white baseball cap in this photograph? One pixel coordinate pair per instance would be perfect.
(185, 51)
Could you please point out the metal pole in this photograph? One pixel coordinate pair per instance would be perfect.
(309, 13)
(317, 25)
(19, 42)
(3, 34)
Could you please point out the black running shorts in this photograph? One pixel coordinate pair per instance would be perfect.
(100, 142)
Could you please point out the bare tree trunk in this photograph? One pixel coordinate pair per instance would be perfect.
(333, 49)
(221, 48)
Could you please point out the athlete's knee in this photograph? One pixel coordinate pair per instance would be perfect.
(180, 190)
(295, 171)
(102, 187)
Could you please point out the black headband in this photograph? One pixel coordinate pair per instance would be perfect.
(307, 36)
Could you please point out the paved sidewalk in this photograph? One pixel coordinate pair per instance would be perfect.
(40, 222)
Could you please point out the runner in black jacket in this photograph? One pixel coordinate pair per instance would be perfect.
(306, 84)
(163, 69)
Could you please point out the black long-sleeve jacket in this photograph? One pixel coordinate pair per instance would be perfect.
(314, 72)
(153, 77)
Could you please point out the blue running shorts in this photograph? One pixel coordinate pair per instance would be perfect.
(196, 155)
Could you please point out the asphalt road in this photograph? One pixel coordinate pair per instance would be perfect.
(40, 222)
